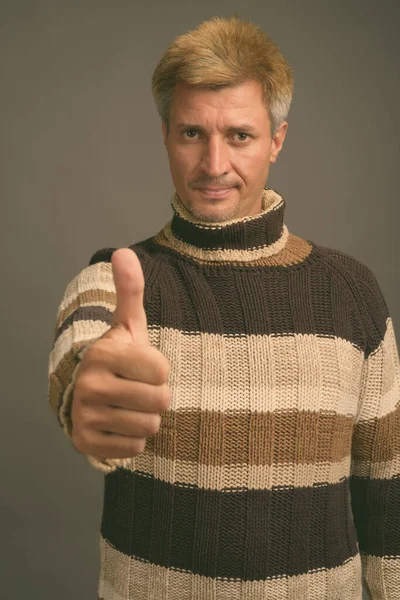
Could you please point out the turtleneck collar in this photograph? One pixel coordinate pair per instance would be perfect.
(244, 239)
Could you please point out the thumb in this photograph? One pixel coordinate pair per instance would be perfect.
(129, 285)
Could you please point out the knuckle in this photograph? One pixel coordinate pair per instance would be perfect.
(163, 400)
(153, 425)
(161, 370)
(92, 419)
(98, 352)
(82, 383)
(80, 440)
(138, 445)
(88, 386)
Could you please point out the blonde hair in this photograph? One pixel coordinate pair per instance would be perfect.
(225, 52)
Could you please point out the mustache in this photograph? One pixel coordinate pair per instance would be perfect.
(198, 183)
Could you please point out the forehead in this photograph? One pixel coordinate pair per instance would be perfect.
(243, 100)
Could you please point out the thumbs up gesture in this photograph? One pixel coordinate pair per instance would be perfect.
(121, 386)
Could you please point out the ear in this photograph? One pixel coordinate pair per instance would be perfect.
(277, 141)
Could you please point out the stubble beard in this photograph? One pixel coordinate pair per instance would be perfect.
(221, 216)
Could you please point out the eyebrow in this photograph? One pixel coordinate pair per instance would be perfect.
(244, 127)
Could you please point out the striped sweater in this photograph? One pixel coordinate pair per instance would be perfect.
(275, 473)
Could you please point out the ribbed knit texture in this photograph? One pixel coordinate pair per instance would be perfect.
(276, 471)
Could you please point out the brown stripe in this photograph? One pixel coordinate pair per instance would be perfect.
(217, 438)
(54, 390)
(68, 363)
(377, 440)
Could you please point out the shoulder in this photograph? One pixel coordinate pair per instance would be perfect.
(102, 255)
(95, 283)
(350, 269)
(99, 268)
(142, 249)
(363, 287)
(146, 250)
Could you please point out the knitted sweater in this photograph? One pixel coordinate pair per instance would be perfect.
(275, 473)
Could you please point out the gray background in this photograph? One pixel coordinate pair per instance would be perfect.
(83, 166)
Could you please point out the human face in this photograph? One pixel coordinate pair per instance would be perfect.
(219, 148)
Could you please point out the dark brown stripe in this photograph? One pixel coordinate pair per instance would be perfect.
(376, 507)
(322, 299)
(371, 308)
(86, 313)
(102, 255)
(244, 303)
(216, 438)
(257, 233)
(251, 534)
(88, 297)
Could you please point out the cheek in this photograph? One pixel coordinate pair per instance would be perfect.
(252, 165)
(182, 161)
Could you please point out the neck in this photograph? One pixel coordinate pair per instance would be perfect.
(243, 239)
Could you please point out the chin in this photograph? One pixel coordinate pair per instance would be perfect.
(213, 214)
(213, 210)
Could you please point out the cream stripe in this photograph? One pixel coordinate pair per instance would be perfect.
(381, 378)
(378, 470)
(298, 371)
(250, 476)
(125, 578)
(285, 372)
(382, 575)
(75, 334)
(93, 277)
(108, 305)
(222, 254)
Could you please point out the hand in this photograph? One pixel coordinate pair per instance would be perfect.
(121, 385)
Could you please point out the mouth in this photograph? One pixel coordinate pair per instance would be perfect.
(215, 192)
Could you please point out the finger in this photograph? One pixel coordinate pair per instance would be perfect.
(131, 395)
(124, 359)
(129, 285)
(104, 446)
(119, 421)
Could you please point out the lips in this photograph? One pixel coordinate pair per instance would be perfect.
(215, 192)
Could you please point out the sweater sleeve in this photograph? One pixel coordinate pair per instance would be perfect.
(83, 316)
(375, 461)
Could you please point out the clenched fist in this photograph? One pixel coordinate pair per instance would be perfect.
(121, 385)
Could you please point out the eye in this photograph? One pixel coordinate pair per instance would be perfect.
(188, 133)
(240, 135)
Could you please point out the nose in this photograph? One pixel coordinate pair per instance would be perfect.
(215, 160)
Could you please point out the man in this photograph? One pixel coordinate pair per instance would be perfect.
(237, 384)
